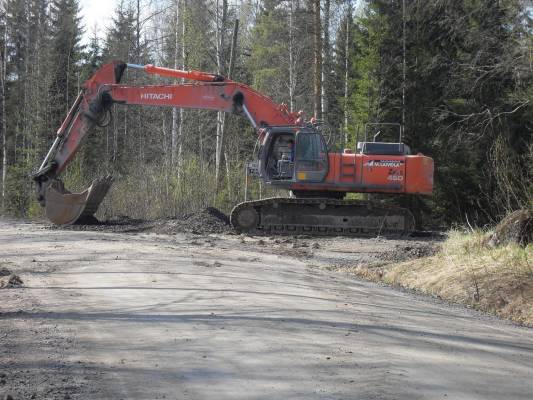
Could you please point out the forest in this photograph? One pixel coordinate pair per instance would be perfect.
(457, 74)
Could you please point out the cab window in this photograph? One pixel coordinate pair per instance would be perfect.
(311, 157)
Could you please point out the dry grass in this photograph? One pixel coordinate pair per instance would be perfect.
(371, 272)
(496, 280)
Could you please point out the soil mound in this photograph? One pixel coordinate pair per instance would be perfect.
(403, 253)
(209, 220)
(517, 228)
(119, 224)
(206, 221)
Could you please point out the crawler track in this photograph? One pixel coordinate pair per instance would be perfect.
(320, 216)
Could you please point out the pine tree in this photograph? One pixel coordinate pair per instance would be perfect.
(368, 65)
(271, 53)
(342, 80)
(121, 39)
(465, 104)
(65, 58)
(24, 97)
(468, 89)
(93, 58)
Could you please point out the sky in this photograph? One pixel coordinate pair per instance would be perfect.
(100, 12)
(97, 12)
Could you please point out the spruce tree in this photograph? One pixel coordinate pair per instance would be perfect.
(466, 102)
(93, 56)
(65, 57)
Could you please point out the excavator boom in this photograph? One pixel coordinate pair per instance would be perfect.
(102, 90)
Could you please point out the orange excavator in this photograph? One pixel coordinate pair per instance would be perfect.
(292, 155)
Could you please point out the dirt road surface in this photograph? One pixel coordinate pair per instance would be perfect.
(146, 316)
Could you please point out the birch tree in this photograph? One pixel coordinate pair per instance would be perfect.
(326, 58)
(317, 65)
(176, 120)
(346, 60)
(3, 61)
(292, 78)
(221, 22)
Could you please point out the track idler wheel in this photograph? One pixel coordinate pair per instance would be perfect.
(244, 219)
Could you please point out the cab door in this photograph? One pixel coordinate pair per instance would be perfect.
(263, 155)
(311, 157)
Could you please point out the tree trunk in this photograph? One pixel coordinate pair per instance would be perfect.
(291, 56)
(182, 113)
(115, 134)
(26, 85)
(174, 128)
(137, 113)
(138, 31)
(326, 56)
(232, 57)
(317, 76)
(220, 32)
(4, 123)
(403, 66)
(346, 64)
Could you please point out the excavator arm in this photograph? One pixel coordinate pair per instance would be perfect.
(93, 104)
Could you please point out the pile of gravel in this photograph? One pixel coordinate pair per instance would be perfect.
(119, 224)
(209, 220)
(403, 253)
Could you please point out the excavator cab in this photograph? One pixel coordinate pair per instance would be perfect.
(293, 155)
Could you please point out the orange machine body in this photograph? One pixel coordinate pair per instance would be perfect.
(362, 173)
(326, 173)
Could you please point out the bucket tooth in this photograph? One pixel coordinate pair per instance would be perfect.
(65, 208)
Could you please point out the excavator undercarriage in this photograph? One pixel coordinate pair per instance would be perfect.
(321, 216)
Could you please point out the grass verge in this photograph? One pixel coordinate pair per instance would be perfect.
(467, 271)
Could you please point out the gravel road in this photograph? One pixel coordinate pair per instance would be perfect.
(146, 316)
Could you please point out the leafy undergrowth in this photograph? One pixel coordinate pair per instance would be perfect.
(466, 270)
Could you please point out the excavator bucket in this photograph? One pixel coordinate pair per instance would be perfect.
(66, 208)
